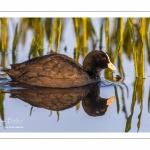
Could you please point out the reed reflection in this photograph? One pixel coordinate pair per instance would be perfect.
(2, 97)
(138, 94)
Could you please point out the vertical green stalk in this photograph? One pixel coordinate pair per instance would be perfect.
(149, 101)
(128, 123)
(78, 106)
(140, 115)
(59, 34)
(113, 37)
(84, 21)
(107, 34)
(76, 24)
(51, 41)
(107, 71)
(131, 31)
(3, 55)
(40, 31)
(140, 90)
(142, 33)
(147, 47)
(48, 26)
(14, 45)
(117, 99)
(2, 97)
(119, 45)
(120, 35)
(15, 40)
(141, 102)
(101, 36)
(33, 47)
(4, 33)
(147, 23)
(58, 115)
(129, 119)
(37, 46)
(77, 47)
(134, 96)
(123, 101)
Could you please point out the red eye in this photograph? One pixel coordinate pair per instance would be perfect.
(104, 58)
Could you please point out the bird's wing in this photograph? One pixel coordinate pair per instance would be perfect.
(53, 71)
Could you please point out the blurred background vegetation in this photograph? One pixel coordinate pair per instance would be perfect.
(125, 35)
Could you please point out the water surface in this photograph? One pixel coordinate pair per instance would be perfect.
(32, 110)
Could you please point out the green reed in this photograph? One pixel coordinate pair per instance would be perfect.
(58, 115)
(138, 94)
(119, 45)
(55, 36)
(101, 36)
(123, 101)
(78, 106)
(84, 35)
(59, 30)
(4, 34)
(106, 73)
(117, 99)
(15, 39)
(25, 25)
(128, 123)
(38, 38)
(14, 45)
(149, 101)
(120, 38)
(107, 34)
(76, 23)
(141, 50)
(3, 59)
(4, 40)
(2, 97)
(48, 27)
(132, 37)
(129, 119)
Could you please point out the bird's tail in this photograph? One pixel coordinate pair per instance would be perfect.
(5, 70)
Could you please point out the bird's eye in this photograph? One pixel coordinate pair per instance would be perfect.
(104, 58)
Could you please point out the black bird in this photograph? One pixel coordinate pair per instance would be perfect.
(60, 71)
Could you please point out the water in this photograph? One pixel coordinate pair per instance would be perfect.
(20, 116)
(27, 115)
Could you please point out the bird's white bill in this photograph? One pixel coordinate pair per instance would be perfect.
(111, 66)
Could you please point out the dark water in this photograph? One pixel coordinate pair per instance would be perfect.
(77, 110)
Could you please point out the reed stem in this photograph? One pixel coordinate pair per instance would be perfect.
(4, 33)
(131, 31)
(59, 34)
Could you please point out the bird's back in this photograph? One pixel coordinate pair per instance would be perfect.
(50, 71)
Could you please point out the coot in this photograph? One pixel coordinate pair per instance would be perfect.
(60, 71)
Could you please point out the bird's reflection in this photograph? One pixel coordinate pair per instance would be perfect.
(61, 99)
(94, 105)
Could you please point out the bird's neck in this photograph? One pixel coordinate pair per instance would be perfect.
(94, 74)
